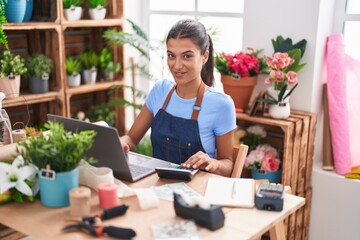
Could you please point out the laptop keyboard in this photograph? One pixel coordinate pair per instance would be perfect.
(137, 170)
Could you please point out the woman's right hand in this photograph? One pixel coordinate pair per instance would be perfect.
(125, 146)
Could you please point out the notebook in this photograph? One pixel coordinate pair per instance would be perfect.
(107, 151)
(231, 192)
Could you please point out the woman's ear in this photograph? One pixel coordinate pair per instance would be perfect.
(205, 56)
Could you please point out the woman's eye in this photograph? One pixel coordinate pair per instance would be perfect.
(170, 55)
(187, 56)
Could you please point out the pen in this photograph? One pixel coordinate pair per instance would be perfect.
(233, 192)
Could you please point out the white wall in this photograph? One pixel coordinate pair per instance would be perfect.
(335, 202)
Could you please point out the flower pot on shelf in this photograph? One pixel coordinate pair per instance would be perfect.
(54, 193)
(10, 86)
(273, 177)
(98, 13)
(240, 89)
(280, 110)
(73, 13)
(74, 80)
(29, 10)
(39, 84)
(89, 76)
(15, 10)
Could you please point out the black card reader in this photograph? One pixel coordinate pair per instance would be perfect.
(270, 196)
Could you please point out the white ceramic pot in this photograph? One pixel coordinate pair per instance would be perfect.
(280, 110)
(73, 13)
(89, 76)
(98, 13)
(74, 80)
(275, 94)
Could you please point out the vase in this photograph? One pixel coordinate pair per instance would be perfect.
(98, 13)
(15, 10)
(280, 110)
(73, 13)
(89, 76)
(29, 10)
(39, 84)
(74, 80)
(240, 89)
(54, 193)
(273, 177)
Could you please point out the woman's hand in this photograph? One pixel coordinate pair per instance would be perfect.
(125, 146)
(203, 161)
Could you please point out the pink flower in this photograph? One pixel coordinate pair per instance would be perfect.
(269, 163)
(264, 157)
(292, 78)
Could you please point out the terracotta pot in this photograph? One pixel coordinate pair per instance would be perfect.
(239, 89)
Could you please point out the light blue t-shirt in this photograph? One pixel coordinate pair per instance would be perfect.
(216, 117)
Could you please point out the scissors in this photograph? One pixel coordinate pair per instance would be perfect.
(92, 225)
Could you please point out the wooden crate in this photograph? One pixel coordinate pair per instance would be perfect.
(294, 137)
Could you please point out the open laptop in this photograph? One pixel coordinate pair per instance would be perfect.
(107, 151)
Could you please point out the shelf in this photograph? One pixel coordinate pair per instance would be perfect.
(29, 98)
(30, 26)
(92, 87)
(88, 23)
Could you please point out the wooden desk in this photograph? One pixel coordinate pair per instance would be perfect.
(45, 223)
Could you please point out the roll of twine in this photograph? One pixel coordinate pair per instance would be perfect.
(18, 135)
(108, 195)
(80, 202)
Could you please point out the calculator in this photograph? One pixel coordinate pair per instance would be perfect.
(270, 196)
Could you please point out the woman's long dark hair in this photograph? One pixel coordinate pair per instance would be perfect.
(196, 32)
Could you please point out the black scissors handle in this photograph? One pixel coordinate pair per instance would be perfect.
(107, 214)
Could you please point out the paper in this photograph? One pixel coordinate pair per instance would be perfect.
(166, 191)
(232, 192)
(185, 230)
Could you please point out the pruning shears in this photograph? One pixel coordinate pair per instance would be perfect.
(92, 225)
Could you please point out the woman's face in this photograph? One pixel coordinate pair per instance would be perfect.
(185, 60)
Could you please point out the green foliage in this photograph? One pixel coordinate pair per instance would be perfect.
(73, 66)
(144, 147)
(3, 36)
(11, 63)
(105, 57)
(221, 64)
(113, 67)
(96, 3)
(89, 59)
(103, 112)
(75, 3)
(295, 51)
(38, 64)
(62, 150)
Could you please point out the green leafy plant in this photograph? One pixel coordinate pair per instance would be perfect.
(3, 36)
(144, 147)
(62, 150)
(73, 66)
(103, 112)
(11, 64)
(89, 59)
(38, 65)
(105, 57)
(112, 67)
(97, 3)
(72, 3)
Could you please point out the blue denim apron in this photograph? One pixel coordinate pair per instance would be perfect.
(175, 139)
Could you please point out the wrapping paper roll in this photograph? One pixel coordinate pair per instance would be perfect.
(80, 202)
(108, 195)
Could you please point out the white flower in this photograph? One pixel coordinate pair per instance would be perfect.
(257, 130)
(14, 175)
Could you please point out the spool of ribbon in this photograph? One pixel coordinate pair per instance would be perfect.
(18, 135)
(108, 195)
(80, 202)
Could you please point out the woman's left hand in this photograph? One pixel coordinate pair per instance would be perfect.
(201, 160)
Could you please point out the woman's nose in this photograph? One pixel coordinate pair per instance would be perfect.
(178, 64)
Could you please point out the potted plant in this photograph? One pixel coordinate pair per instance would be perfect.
(97, 9)
(283, 66)
(11, 68)
(39, 69)
(90, 62)
(239, 73)
(103, 112)
(73, 68)
(107, 65)
(73, 9)
(57, 157)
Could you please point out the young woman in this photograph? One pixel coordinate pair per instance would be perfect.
(191, 123)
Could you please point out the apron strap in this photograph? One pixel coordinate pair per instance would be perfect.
(197, 106)
(199, 98)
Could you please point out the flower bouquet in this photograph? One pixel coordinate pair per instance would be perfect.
(264, 161)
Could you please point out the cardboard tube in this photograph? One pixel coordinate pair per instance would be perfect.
(108, 195)
(80, 202)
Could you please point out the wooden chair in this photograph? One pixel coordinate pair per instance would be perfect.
(239, 155)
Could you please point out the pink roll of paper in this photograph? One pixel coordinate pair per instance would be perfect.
(108, 195)
(338, 111)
